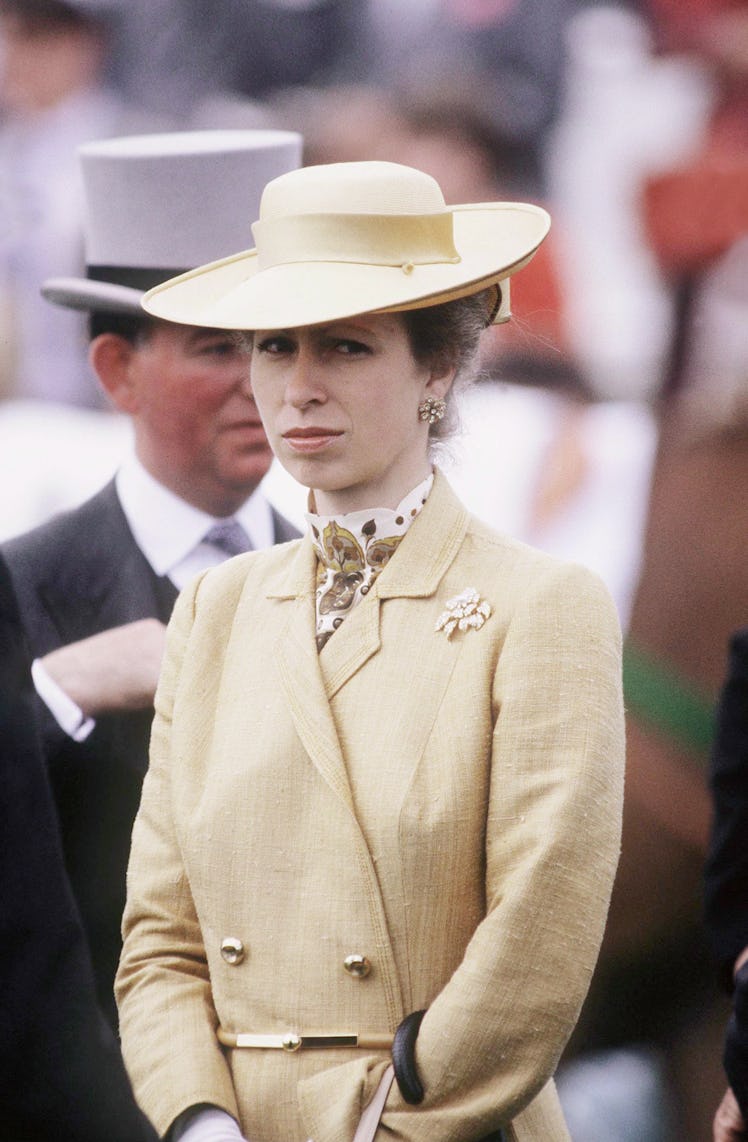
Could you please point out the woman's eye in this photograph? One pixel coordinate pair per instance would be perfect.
(351, 348)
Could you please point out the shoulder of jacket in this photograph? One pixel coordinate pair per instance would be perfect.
(524, 566)
(56, 536)
(227, 581)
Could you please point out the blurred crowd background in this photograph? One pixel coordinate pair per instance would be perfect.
(611, 422)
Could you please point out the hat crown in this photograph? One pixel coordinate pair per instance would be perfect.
(352, 188)
(157, 205)
(172, 201)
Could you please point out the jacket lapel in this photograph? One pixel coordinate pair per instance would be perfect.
(428, 548)
(304, 689)
(107, 582)
(301, 677)
(425, 553)
(310, 680)
(352, 645)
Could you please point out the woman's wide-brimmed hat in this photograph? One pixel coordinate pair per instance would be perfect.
(157, 205)
(342, 239)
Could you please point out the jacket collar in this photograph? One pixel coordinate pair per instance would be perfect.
(426, 551)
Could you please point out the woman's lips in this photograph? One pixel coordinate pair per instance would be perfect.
(311, 439)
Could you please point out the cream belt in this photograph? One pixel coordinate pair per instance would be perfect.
(291, 1041)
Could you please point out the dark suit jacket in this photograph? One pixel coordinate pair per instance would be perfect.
(78, 575)
(726, 882)
(61, 1072)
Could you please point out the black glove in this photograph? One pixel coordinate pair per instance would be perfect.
(404, 1058)
(735, 1057)
(406, 1072)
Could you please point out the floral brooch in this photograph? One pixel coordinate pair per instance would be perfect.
(464, 611)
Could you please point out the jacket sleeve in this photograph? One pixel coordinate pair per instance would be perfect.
(492, 1037)
(726, 882)
(167, 1019)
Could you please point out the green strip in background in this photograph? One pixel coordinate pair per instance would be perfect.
(655, 692)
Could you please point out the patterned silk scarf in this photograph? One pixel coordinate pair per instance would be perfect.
(351, 551)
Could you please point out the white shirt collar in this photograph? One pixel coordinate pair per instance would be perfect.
(173, 550)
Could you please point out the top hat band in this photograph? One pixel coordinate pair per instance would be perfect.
(136, 277)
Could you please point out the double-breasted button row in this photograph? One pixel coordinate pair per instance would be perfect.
(233, 952)
(357, 965)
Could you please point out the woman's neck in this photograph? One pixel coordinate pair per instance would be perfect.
(367, 497)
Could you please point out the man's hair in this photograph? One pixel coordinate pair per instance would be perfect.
(131, 326)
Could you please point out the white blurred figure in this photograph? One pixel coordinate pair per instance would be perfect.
(568, 476)
(628, 114)
(53, 457)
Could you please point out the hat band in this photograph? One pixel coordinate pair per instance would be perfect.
(403, 240)
(136, 277)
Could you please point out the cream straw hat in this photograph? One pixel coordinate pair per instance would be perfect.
(342, 239)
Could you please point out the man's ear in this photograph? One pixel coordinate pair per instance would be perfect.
(110, 357)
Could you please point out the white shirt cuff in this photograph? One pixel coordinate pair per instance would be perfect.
(209, 1124)
(63, 709)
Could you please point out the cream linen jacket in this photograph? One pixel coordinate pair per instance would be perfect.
(448, 807)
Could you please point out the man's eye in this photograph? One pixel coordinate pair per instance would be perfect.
(220, 348)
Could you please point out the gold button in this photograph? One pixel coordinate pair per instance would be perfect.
(232, 950)
(357, 965)
(291, 1041)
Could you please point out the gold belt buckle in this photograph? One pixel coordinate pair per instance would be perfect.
(291, 1041)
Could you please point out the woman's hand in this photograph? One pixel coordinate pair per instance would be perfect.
(729, 1124)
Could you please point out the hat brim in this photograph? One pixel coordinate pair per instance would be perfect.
(493, 241)
(86, 294)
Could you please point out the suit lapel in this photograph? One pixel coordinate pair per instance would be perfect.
(283, 529)
(105, 581)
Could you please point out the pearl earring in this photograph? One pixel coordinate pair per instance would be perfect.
(432, 409)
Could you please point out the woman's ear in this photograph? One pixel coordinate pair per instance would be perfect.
(440, 380)
(110, 357)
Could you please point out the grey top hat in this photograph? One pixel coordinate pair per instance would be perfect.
(157, 205)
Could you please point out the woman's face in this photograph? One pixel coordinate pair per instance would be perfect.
(340, 407)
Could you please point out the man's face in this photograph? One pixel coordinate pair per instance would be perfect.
(197, 428)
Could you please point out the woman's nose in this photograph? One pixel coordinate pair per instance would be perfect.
(303, 383)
